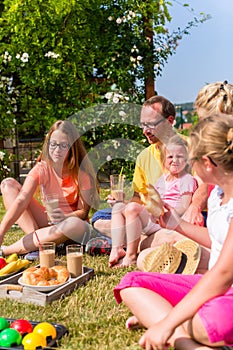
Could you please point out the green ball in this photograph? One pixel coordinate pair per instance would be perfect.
(4, 323)
(10, 337)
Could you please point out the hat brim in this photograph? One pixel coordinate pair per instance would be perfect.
(193, 252)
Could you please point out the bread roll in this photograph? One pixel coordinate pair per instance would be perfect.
(44, 276)
(153, 202)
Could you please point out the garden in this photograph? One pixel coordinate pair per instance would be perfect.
(94, 64)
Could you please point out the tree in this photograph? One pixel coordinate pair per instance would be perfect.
(60, 56)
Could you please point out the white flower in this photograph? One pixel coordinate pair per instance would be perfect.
(2, 154)
(25, 57)
(108, 95)
(116, 144)
(52, 54)
(139, 58)
(132, 59)
(110, 18)
(119, 20)
(18, 56)
(132, 14)
(134, 49)
(122, 114)
(115, 99)
(108, 158)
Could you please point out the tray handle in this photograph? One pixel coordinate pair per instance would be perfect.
(14, 287)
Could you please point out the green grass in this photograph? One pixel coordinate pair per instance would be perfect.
(90, 313)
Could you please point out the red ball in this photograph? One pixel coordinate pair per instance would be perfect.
(22, 326)
(2, 263)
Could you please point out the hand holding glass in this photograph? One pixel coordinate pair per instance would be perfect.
(51, 203)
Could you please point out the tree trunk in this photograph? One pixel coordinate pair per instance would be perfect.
(149, 62)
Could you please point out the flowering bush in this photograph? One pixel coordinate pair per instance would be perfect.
(5, 160)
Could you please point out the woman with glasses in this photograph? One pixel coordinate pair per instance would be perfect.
(63, 169)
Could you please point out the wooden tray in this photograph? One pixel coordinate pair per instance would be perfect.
(9, 288)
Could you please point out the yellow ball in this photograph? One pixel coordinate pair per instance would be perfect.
(46, 330)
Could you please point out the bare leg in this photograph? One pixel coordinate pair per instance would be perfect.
(117, 234)
(149, 308)
(133, 218)
(32, 218)
(103, 226)
(71, 228)
(160, 237)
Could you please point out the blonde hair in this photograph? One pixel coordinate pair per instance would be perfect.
(77, 157)
(214, 98)
(213, 137)
(174, 140)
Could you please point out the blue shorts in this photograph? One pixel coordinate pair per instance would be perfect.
(104, 214)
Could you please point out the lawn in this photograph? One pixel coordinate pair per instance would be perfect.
(90, 313)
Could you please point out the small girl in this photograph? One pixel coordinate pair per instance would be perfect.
(193, 311)
(175, 188)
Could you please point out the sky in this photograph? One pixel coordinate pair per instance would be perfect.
(204, 56)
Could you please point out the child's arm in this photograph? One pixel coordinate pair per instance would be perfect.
(183, 203)
(172, 220)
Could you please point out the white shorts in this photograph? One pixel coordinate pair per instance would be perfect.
(150, 228)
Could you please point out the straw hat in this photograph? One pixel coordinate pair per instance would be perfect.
(181, 257)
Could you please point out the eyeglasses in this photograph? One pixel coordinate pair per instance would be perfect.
(63, 145)
(151, 125)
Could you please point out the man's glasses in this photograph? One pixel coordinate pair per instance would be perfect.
(63, 145)
(151, 125)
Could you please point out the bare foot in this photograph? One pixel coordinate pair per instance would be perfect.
(133, 323)
(125, 262)
(116, 254)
